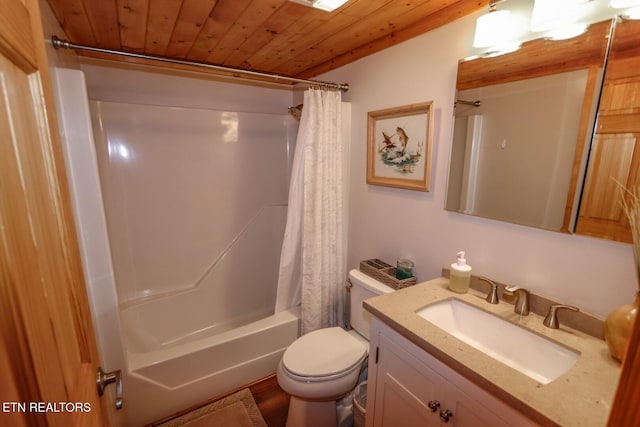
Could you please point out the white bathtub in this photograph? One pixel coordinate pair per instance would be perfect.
(170, 278)
(162, 379)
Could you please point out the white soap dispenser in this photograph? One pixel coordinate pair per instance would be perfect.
(460, 275)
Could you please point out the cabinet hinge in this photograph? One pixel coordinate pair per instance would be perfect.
(377, 352)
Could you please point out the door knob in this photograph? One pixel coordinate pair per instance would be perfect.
(103, 379)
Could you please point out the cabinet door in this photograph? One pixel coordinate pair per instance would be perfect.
(404, 388)
(470, 412)
(405, 381)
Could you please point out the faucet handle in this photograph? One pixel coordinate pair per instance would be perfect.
(492, 296)
(551, 321)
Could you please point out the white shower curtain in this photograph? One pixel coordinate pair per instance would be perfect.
(312, 263)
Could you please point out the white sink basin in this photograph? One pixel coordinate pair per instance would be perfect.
(533, 355)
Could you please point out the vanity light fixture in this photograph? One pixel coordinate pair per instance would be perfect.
(502, 49)
(632, 6)
(326, 5)
(633, 13)
(493, 29)
(567, 31)
(622, 4)
(559, 19)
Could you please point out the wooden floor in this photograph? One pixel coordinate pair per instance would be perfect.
(272, 401)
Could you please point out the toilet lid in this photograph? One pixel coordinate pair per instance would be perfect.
(323, 352)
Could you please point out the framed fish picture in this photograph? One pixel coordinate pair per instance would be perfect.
(399, 142)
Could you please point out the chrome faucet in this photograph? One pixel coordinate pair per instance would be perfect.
(492, 296)
(521, 305)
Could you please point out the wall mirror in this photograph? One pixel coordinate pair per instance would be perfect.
(522, 127)
(614, 152)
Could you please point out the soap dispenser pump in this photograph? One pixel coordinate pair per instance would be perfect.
(460, 275)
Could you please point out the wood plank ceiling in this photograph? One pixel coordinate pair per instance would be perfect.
(274, 36)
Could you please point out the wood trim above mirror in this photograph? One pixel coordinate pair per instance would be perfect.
(626, 40)
(537, 58)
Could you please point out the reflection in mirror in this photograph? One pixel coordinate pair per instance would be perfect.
(518, 153)
(614, 152)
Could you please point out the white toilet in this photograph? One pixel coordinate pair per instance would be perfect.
(323, 366)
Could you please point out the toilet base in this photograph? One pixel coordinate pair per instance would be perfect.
(306, 413)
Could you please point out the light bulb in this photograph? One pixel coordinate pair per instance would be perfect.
(551, 14)
(493, 28)
(621, 4)
(566, 31)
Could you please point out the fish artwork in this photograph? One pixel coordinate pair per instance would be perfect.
(396, 153)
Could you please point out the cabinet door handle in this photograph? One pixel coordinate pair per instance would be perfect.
(433, 405)
(446, 415)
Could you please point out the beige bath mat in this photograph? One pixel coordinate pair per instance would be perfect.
(238, 410)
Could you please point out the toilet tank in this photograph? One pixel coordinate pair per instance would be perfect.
(363, 287)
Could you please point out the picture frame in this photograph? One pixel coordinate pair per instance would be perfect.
(399, 145)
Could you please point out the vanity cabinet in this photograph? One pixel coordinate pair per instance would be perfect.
(409, 387)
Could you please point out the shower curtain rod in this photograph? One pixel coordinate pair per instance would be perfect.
(463, 102)
(66, 44)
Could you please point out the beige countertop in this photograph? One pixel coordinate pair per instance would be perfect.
(581, 397)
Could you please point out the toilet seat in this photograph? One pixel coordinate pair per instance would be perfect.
(340, 354)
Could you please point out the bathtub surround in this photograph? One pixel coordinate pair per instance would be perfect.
(181, 359)
(192, 198)
(74, 122)
(312, 263)
(194, 201)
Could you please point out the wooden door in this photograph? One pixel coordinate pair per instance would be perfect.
(48, 356)
(615, 155)
(615, 163)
